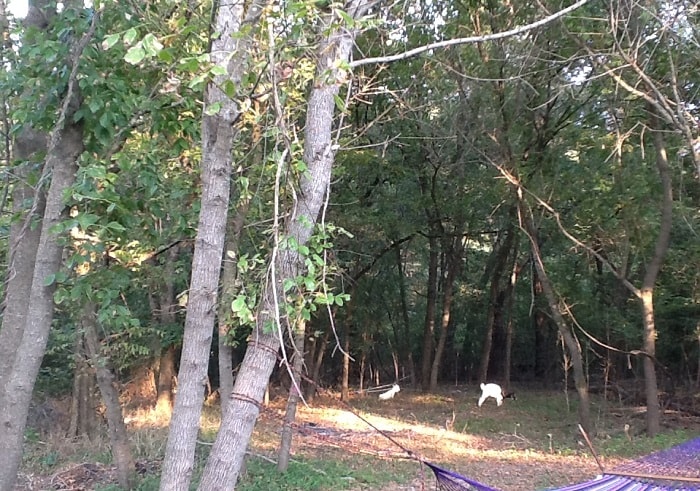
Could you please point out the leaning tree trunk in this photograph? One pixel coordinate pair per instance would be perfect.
(23, 243)
(226, 458)
(29, 146)
(228, 51)
(567, 335)
(107, 382)
(65, 145)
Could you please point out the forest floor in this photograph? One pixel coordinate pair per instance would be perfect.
(526, 444)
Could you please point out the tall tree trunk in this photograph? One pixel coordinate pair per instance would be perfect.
(224, 463)
(166, 317)
(345, 376)
(23, 244)
(508, 315)
(228, 52)
(107, 382)
(500, 258)
(64, 147)
(652, 272)
(405, 344)
(29, 146)
(297, 364)
(567, 335)
(454, 262)
(229, 289)
(429, 322)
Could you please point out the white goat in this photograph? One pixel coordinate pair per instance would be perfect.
(495, 391)
(389, 394)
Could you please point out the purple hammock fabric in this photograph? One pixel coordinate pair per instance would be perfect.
(673, 469)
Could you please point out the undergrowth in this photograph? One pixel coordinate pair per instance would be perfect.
(538, 422)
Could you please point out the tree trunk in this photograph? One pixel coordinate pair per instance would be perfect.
(29, 146)
(500, 258)
(23, 243)
(83, 410)
(229, 289)
(652, 272)
(297, 364)
(570, 341)
(345, 376)
(405, 344)
(166, 317)
(317, 364)
(508, 308)
(107, 382)
(454, 260)
(226, 458)
(20, 384)
(64, 147)
(228, 52)
(165, 382)
(429, 322)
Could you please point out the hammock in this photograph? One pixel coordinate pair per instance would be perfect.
(674, 469)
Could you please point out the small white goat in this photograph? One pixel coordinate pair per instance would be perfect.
(495, 391)
(389, 394)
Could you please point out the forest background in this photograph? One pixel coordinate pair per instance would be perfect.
(288, 188)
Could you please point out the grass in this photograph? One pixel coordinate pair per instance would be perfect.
(531, 443)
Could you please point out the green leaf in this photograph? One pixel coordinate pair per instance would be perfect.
(347, 18)
(288, 284)
(49, 280)
(309, 284)
(130, 36)
(151, 44)
(135, 55)
(238, 304)
(109, 41)
(218, 70)
(213, 109)
(339, 103)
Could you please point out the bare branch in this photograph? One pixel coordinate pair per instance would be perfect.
(469, 40)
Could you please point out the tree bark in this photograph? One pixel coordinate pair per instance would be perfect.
(226, 458)
(454, 261)
(501, 254)
(20, 384)
(23, 244)
(317, 363)
(646, 296)
(228, 51)
(229, 288)
(166, 317)
(29, 145)
(83, 410)
(297, 364)
(405, 341)
(64, 147)
(429, 322)
(107, 382)
(570, 341)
